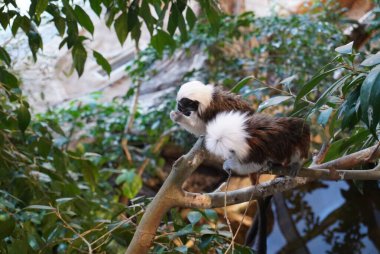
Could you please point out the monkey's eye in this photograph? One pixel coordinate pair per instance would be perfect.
(187, 113)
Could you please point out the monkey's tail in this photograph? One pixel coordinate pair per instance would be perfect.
(227, 134)
(258, 229)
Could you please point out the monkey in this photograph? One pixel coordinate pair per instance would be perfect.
(248, 142)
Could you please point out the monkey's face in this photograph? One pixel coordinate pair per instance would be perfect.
(186, 115)
(186, 106)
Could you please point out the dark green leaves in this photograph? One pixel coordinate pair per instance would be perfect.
(162, 40)
(102, 62)
(8, 79)
(23, 117)
(40, 7)
(35, 42)
(369, 99)
(190, 18)
(96, 6)
(79, 55)
(83, 19)
(4, 56)
(314, 82)
(121, 27)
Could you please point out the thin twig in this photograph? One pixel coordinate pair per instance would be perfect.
(225, 214)
(67, 225)
(241, 221)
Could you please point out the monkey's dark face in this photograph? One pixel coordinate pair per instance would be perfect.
(186, 106)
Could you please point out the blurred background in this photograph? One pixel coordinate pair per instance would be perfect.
(84, 148)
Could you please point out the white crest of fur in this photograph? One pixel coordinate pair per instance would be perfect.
(196, 90)
(227, 133)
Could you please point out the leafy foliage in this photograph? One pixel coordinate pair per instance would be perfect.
(64, 174)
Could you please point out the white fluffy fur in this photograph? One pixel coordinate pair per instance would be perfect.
(196, 90)
(227, 133)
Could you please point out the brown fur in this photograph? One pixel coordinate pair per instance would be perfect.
(277, 138)
(223, 101)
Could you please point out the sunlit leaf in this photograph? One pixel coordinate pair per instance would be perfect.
(345, 49)
(194, 217)
(371, 60)
(273, 101)
(324, 116)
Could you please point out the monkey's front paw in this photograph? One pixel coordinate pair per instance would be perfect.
(175, 116)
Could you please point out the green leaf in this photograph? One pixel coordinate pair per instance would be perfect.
(240, 84)
(273, 101)
(182, 249)
(345, 49)
(146, 15)
(173, 19)
(350, 110)
(194, 217)
(83, 19)
(96, 6)
(121, 27)
(133, 11)
(212, 13)
(8, 79)
(60, 24)
(4, 56)
(40, 207)
(371, 60)
(35, 42)
(211, 214)
(40, 7)
(288, 80)
(313, 82)
(79, 55)
(369, 99)
(161, 40)
(55, 127)
(23, 117)
(90, 173)
(44, 146)
(102, 62)
(324, 116)
(7, 225)
(190, 18)
(131, 183)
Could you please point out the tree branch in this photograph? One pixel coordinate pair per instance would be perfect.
(171, 193)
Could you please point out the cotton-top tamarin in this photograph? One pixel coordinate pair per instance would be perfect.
(247, 141)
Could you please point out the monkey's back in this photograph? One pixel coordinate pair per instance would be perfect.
(276, 138)
(224, 101)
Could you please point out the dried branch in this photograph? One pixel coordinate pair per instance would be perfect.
(352, 160)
